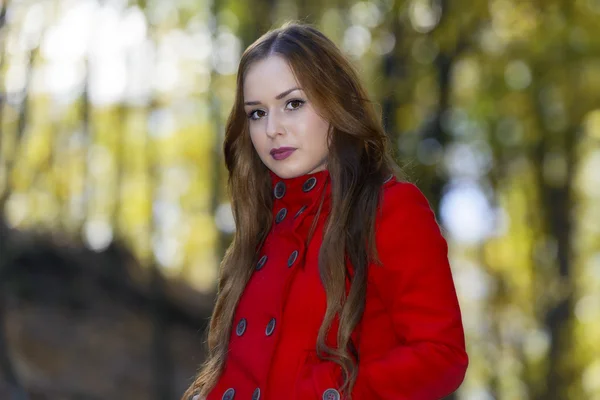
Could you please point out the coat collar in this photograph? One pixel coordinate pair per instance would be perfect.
(300, 193)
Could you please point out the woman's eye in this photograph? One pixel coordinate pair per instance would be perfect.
(252, 116)
(298, 101)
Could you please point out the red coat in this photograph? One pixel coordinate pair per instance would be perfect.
(411, 342)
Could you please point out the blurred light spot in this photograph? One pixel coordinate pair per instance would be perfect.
(16, 77)
(517, 75)
(167, 214)
(468, 160)
(167, 250)
(357, 40)
(384, 44)
(77, 207)
(33, 23)
(593, 267)
(229, 19)
(592, 123)
(466, 213)
(162, 13)
(177, 180)
(203, 271)
(590, 378)
(69, 39)
(98, 234)
(114, 35)
(63, 79)
(429, 151)
(490, 42)
(424, 50)
(226, 52)
(536, 344)
(17, 209)
(365, 13)
(501, 222)
(425, 14)
(513, 324)
(588, 222)
(472, 282)
(466, 76)
(106, 38)
(161, 123)
(167, 74)
(108, 78)
(133, 27)
(587, 308)
(99, 160)
(224, 218)
(476, 393)
(201, 46)
(139, 74)
(516, 21)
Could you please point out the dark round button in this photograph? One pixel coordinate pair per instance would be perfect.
(261, 262)
(300, 211)
(281, 215)
(292, 258)
(279, 190)
(389, 178)
(331, 394)
(229, 394)
(270, 327)
(309, 184)
(241, 327)
(256, 394)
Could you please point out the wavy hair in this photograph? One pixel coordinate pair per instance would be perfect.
(359, 160)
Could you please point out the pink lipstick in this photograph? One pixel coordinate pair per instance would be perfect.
(282, 153)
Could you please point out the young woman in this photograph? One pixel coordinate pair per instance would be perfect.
(337, 284)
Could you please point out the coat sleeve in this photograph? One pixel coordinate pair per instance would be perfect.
(415, 284)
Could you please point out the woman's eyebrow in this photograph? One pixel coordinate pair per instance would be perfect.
(278, 97)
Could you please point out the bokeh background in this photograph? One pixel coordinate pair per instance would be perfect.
(114, 216)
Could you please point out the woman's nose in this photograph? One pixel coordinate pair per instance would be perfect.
(274, 126)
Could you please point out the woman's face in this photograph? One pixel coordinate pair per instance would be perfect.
(281, 116)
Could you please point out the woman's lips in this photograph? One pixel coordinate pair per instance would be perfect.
(282, 155)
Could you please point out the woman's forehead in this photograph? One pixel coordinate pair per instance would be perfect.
(268, 78)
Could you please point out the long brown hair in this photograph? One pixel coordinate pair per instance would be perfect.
(359, 160)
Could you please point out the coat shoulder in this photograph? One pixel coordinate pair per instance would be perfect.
(401, 200)
(406, 220)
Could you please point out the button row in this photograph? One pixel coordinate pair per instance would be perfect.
(230, 394)
(307, 186)
(329, 394)
(263, 260)
(242, 323)
(279, 192)
(281, 214)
